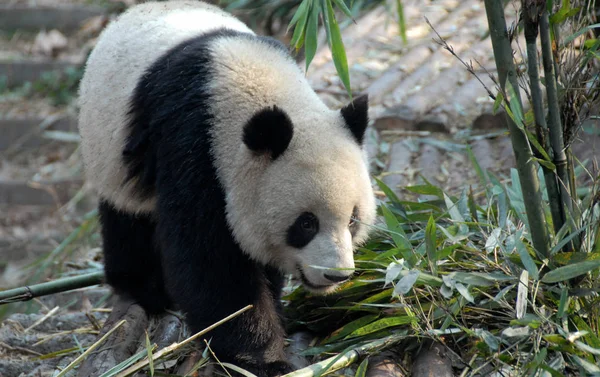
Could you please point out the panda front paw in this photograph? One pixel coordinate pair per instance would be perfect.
(278, 368)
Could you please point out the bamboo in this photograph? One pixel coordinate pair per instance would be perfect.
(525, 166)
(531, 18)
(170, 349)
(60, 285)
(554, 121)
(347, 358)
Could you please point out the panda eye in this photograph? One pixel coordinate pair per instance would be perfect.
(353, 223)
(304, 229)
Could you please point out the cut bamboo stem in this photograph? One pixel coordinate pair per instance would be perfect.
(525, 166)
(56, 286)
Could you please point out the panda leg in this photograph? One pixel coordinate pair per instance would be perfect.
(132, 259)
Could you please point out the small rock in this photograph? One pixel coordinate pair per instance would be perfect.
(385, 365)
(433, 123)
(397, 118)
(432, 361)
(50, 43)
(489, 122)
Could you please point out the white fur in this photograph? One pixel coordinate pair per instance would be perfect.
(323, 171)
(125, 49)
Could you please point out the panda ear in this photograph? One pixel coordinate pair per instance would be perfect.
(269, 131)
(356, 115)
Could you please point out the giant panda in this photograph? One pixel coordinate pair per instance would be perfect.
(219, 172)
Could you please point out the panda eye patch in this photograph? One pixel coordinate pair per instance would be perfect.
(354, 219)
(304, 229)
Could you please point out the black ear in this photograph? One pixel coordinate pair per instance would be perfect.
(269, 131)
(356, 115)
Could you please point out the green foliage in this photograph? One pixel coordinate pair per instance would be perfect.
(453, 268)
(305, 23)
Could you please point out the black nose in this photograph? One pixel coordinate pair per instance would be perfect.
(337, 278)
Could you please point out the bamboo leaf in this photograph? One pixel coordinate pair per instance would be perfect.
(464, 291)
(426, 190)
(526, 259)
(310, 39)
(389, 193)
(381, 324)
(336, 44)
(453, 210)
(302, 9)
(480, 172)
(395, 229)
(568, 272)
(516, 111)
(497, 102)
(522, 293)
(582, 31)
(149, 353)
(297, 37)
(565, 241)
(405, 284)
(351, 327)
(362, 368)
(430, 245)
(401, 21)
(340, 4)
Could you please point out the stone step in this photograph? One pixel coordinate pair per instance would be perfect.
(27, 57)
(44, 193)
(66, 18)
(26, 132)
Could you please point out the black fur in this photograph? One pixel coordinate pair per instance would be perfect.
(356, 115)
(132, 258)
(303, 230)
(206, 274)
(269, 131)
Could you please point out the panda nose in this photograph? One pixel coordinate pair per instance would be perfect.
(337, 278)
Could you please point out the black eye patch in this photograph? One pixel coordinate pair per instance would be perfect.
(304, 229)
(354, 220)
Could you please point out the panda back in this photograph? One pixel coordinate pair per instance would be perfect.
(123, 53)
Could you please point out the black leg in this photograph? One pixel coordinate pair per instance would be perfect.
(206, 273)
(132, 259)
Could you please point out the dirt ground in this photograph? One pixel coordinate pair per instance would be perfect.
(425, 110)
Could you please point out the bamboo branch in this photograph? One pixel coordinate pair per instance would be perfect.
(554, 121)
(531, 15)
(347, 358)
(525, 166)
(175, 346)
(56, 286)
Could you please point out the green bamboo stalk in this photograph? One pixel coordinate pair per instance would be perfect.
(347, 358)
(531, 18)
(525, 165)
(60, 285)
(554, 121)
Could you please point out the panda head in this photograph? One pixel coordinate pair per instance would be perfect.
(311, 202)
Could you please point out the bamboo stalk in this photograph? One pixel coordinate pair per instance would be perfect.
(347, 358)
(525, 166)
(56, 286)
(173, 347)
(554, 121)
(531, 18)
